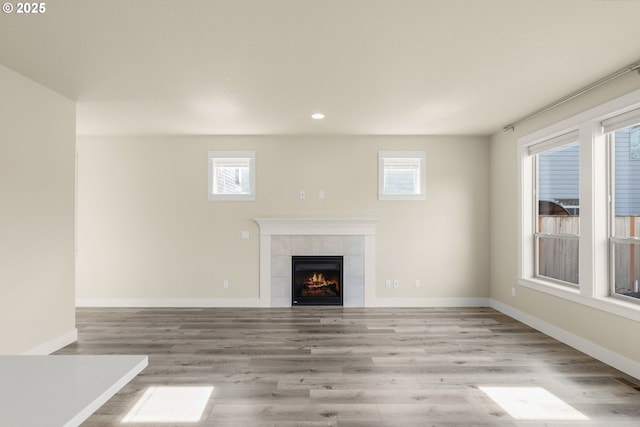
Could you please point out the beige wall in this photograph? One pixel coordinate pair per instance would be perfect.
(611, 332)
(37, 144)
(146, 229)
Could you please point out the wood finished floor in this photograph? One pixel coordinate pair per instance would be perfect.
(330, 366)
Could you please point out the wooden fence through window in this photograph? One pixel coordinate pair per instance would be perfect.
(558, 257)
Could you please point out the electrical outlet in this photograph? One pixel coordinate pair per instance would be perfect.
(321, 194)
(418, 284)
(225, 283)
(387, 283)
(302, 195)
(513, 292)
(396, 283)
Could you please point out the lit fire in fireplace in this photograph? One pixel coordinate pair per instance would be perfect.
(316, 280)
(317, 285)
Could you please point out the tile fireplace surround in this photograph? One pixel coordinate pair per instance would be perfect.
(281, 238)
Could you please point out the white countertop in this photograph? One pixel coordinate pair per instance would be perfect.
(56, 391)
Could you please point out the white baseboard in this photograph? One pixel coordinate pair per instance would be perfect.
(255, 302)
(54, 344)
(622, 363)
(427, 302)
(168, 302)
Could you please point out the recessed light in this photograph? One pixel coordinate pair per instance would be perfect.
(317, 116)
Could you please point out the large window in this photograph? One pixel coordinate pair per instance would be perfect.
(625, 193)
(231, 175)
(579, 225)
(557, 195)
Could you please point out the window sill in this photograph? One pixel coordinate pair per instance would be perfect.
(401, 197)
(232, 197)
(615, 306)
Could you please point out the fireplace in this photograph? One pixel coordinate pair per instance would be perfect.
(316, 280)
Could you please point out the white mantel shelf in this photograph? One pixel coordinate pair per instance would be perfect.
(317, 226)
(269, 227)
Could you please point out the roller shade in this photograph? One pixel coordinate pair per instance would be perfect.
(558, 141)
(621, 121)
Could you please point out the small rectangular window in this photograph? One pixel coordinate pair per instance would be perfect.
(231, 175)
(401, 175)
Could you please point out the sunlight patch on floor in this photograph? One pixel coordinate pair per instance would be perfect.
(164, 404)
(532, 403)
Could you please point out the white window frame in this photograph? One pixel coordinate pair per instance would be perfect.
(595, 207)
(610, 126)
(534, 150)
(421, 180)
(249, 156)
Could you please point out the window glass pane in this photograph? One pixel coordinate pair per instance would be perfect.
(626, 210)
(231, 176)
(558, 258)
(402, 176)
(626, 181)
(559, 187)
(626, 275)
(558, 204)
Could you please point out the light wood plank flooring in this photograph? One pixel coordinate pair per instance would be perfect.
(334, 366)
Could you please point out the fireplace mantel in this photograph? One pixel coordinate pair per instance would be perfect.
(317, 226)
(365, 227)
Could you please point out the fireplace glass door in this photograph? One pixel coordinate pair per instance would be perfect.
(316, 280)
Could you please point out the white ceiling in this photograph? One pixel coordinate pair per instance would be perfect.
(263, 66)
